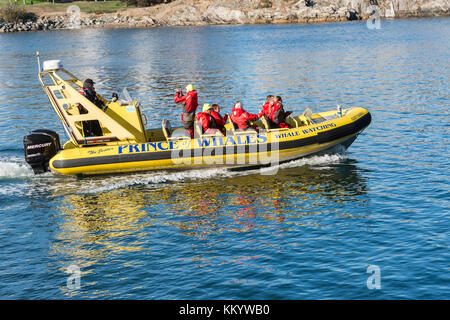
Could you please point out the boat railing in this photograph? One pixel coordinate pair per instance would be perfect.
(118, 123)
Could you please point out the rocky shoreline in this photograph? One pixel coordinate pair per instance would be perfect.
(203, 12)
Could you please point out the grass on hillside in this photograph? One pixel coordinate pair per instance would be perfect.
(85, 6)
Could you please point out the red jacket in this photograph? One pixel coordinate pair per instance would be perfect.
(204, 119)
(190, 101)
(220, 121)
(242, 118)
(208, 123)
(275, 107)
(265, 110)
(281, 117)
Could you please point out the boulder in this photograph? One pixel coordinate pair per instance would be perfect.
(220, 14)
(188, 15)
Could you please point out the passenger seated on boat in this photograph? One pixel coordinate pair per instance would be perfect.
(267, 111)
(91, 127)
(207, 121)
(220, 121)
(277, 114)
(266, 106)
(242, 118)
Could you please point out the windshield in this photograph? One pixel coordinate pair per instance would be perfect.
(125, 97)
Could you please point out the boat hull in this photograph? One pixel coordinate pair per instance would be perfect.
(265, 148)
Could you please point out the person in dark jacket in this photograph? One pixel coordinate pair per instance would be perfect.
(190, 104)
(91, 128)
(89, 92)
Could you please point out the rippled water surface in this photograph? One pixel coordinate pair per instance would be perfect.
(309, 232)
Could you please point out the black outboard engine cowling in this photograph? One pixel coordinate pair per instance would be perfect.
(39, 147)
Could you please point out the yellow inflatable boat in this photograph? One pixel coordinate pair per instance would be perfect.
(125, 145)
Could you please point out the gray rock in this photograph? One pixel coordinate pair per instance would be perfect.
(220, 14)
(188, 15)
(342, 12)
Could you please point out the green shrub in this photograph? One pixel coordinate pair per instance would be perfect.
(144, 3)
(14, 13)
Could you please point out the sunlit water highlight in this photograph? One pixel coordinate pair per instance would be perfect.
(310, 231)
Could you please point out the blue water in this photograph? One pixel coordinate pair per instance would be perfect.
(309, 232)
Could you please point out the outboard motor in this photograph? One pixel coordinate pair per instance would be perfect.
(39, 147)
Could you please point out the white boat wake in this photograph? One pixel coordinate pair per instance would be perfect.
(14, 168)
(17, 178)
(158, 178)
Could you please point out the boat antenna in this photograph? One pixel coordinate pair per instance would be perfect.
(39, 62)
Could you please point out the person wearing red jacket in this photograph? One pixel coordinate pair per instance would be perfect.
(208, 120)
(277, 114)
(242, 118)
(267, 111)
(266, 107)
(220, 121)
(190, 104)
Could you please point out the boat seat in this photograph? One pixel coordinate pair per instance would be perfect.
(199, 131)
(167, 130)
(267, 126)
(292, 122)
(236, 131)
(307, 116)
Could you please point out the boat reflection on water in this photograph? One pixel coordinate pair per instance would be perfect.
(126, 219)
(208, 223)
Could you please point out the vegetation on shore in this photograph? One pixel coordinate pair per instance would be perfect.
(97, 7)
(12, 12)
(144, 3)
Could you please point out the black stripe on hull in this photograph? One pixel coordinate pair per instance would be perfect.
(329, 150)
(321, 137)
